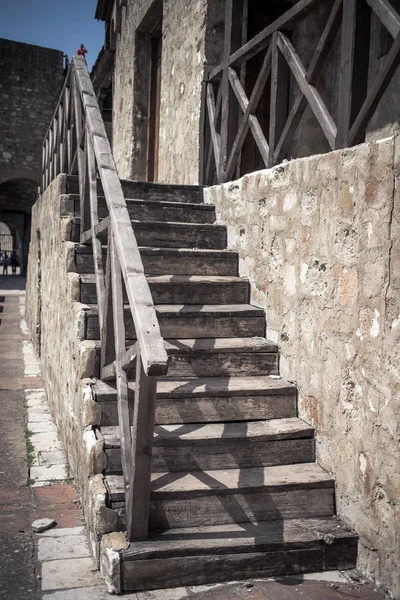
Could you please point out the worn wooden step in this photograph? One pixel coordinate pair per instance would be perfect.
(179, 261)
(168, 235)
(218, 357)
(204, 555)
(182, 289)
(147, 190)
(194, 321)
(150, 210)
(215, 497)
(229, 445)
(209, 400)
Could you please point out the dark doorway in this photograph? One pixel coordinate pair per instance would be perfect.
(154, 105)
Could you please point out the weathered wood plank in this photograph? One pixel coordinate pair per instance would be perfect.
(387, 15)
(254, 124)
(250, 110)
(215, 137)
(317, 61)
(376, 92)
(96, 244)
(138, 496)
(122, 381)
(107, 332)
(279, 97)
(314, 99)
(261, 40)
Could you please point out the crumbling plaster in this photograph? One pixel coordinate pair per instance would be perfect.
(319, 240)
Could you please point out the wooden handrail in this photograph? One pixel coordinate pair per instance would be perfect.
(77, 143)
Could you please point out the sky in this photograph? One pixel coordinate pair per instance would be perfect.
(59, 24)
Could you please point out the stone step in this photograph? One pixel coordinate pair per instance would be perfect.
(182, 289)
(205, 555)
(190, 321)
(209, 400)
(228, 445)
(146, 190)
(217, 497)
(151, 210)
(169, 235)
(179, 261)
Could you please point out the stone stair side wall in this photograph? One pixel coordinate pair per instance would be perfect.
(57, 322)
(318, 239)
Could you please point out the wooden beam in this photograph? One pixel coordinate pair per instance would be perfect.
(215, 137)
(346, 72)
(321, 52)
(279, 96)
(254, 124)
(210, 148)
(250, 110)
(314, 99)
(138, 496)
(261, 40)
(107, 355)
(387, 15)
(378, 88)
(94, 220)
(121, 376)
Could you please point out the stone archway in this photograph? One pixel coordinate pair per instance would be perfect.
(17, 197)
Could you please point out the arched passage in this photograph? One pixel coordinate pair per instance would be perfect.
(17, 197)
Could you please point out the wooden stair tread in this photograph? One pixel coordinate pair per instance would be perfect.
(265, 536)
(224, 482)
(178, 225)
(155, 203)
(209, 309)
(210, 386)
(213, 345)
(196, 309)
(205, 279)
(274, 429)
(147, 250)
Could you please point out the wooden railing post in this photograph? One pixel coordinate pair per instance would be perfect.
(138, 503)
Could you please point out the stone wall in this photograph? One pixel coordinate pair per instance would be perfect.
(56, 320)
(319, 240)
(31, 78)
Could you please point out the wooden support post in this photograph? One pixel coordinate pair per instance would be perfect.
(138, 497)
(121, 375)
(230, 109)
(353, 66)
(94, 220)
(279, 97)
(107, 333)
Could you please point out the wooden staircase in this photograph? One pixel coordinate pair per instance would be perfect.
(209, 468)
(235, 490)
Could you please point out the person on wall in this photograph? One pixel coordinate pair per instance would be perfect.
(82, 52)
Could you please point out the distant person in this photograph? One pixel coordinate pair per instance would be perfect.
(4, 262)
(82, 52)
(14, 263)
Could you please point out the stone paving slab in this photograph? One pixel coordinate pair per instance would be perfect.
(87, 593)
(69, 573)
(68, 546)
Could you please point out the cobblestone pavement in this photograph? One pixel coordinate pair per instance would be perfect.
(35, 483)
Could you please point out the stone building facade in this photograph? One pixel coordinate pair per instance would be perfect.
(31, 78)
